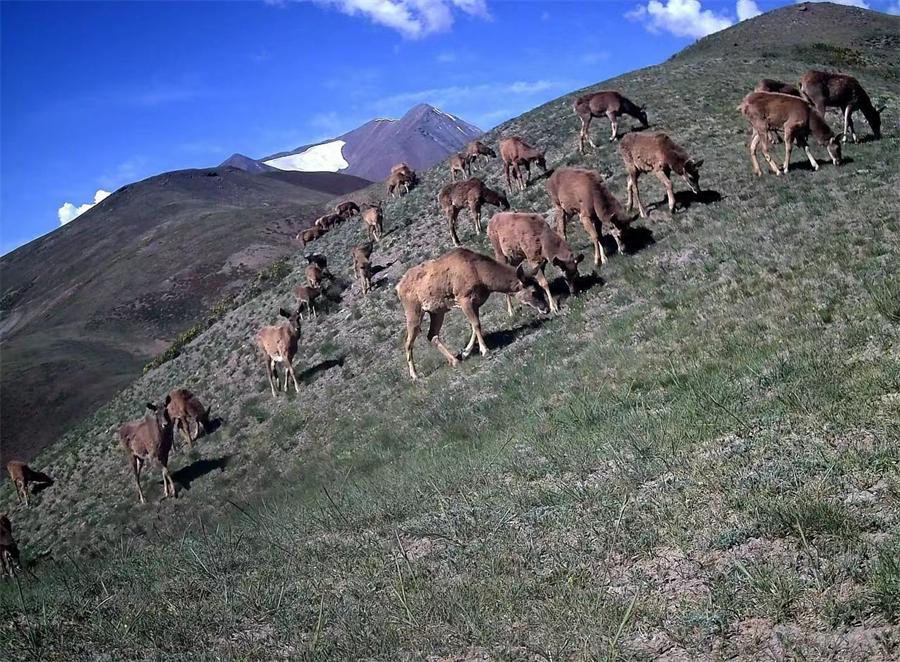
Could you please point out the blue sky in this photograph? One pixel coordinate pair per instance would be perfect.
(94, 95)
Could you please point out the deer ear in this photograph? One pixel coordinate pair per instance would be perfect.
(168, 400)
(697, 162)
(151, 406)
(284, 313)
(880, 109)
(579, 258)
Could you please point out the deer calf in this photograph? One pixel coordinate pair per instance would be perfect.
(401, 177)
(609, 103)
(828, 90)
(476, 149)
(471, 194)
(362, 266)
(769, 111)
(518, 237)
(580, 191)
(657, 153)
(279, 345)
(188, 413)
(310, 234)
(460, 278)
(150, 439)
(22, 475)
(518, 154)
(306, 296)
(346, 209)
(9, 550)
(373, 219)
(328, 221)
(460, 163)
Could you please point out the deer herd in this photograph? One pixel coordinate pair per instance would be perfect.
(523, 243)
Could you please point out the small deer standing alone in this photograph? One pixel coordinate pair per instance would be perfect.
(657, 153)
(611, 104)
(279, 345)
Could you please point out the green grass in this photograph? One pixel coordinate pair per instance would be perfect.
(697, 458)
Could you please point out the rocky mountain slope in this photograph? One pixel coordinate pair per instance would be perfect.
(421, 138)
(696, 459)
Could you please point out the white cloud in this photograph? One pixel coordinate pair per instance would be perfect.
(747, 9)
(411, 18)
(69, 212)
(850, 3)
(683, 18)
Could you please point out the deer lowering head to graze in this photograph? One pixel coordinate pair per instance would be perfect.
(518, 237)
(768, 111)
(150, 439)
(279, 345)
(828, 90)
(400, 183)
(518, 154)
(22, 476)
(362, 266)
(373, 219)
(657, 153)
(328, 221)
(188, 414)
(605, 103)
(471, 194)
(465, 279)
(346, 209)
(477, 149)
(579, 191)
(306, 297)
(460, 163)
(310, 234)
(9, 550)
(772, 85)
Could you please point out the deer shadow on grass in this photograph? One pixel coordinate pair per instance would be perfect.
(503, 337)
(806, 166)
(684, 199)
(309, 375)
(635, 238)
(199, 468)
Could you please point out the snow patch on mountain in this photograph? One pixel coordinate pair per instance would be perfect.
(326, 157)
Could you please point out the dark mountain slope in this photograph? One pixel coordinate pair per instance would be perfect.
(85, 306)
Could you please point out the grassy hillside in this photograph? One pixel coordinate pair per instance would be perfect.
(697, 459)
(86, 306)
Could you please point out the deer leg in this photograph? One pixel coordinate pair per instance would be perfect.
(506, 173)
(290, 368)
(136, 468)
(848, 123)
(670, 192)
(21, 492)
(587, 222)
(509, 306)
(315, 313)
(451, 223)
(788, 148)
(168, 483)
(541, 278)
(436, 321)
(632, 179)
(413, 322)
(614, 125)
(471, 313)
(768, 157)
(754, 142)
(561, 222)
(475, 211)
(269, 366)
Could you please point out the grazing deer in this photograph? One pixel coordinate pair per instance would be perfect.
(471, 194)
(373, 219)
(579, 191)
(187, 412)
(150, 438)
(465, 279)
(21, 475)
(827, 90)
(362, 266)
(346, 209)
(657, 153)
(460, 163)
(518, 154)
(518, 237)
(477, 149)
(328, 221)
(306, 296)
(609, 103)
(772, 85)
(279, 345)
(767, 111)
(402, 176)
(310, 234)
(9, 550)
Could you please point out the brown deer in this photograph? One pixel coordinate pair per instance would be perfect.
(150, 439)
(22, 475)
(279, 345)
(609, 103)
(461, 163)
(402, 176)
(373, 219)
(579, 191)
(768, 111)
(362, 266)
(187, 412)
(310, 234)
(828, 90)
(477, 149)
(346, 209)
(518, 154)
(471, 194)
(306, 296)
(657, 153)
(9, 550)
(772, 85)
(316, 273)
(518, 237)
(328, 221)
(465, 279)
